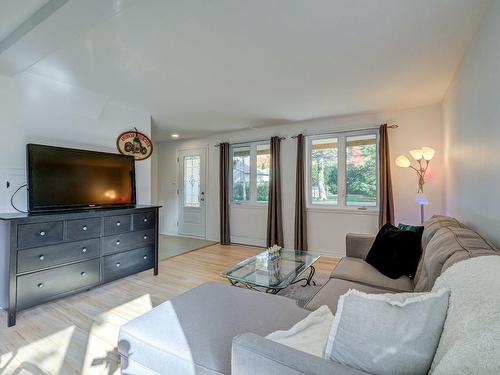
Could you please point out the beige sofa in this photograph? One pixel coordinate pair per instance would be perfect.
(445, 241)
(218, 329)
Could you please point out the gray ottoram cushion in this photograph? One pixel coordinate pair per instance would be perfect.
(387, 333)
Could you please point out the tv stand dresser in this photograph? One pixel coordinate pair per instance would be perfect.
(52, 255)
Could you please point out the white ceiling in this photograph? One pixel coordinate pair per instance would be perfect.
(201, 66)
(14, 12)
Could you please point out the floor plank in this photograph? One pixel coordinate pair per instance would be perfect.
(78, 334)
(175, 245)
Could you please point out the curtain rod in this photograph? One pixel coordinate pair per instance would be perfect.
(393, 126)
(252, 141)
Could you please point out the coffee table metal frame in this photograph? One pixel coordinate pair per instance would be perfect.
(273, 290)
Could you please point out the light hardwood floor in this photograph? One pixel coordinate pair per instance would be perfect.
(79, 334)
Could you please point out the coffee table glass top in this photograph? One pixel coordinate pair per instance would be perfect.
(277, 273)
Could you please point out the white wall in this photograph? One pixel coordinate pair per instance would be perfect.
(418, 127)
(35, 110)
(471, 117)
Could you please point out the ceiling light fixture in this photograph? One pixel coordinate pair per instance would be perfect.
(174, 135)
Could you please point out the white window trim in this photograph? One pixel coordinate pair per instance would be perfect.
(253, 175)
(341, 206)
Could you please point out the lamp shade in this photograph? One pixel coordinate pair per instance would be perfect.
(428, 153)
(417, 154)
(402, 161)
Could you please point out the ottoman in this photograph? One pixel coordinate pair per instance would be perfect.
(192, 333)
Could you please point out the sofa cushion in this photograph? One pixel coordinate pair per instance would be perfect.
(436, 222)
(330, 293)
(192, 333)
(359, 271)
(431, 226)
(448, 246)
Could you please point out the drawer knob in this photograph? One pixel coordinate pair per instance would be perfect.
(145, 220)
(118, 223)
(40, 285)
(84, 227)
(42, 233)
(117, 242)
(41, 257)
(145, 257)
(117, 264)
(83, 274)
(84, 250)
(145, 237)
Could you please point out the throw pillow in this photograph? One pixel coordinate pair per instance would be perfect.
(309, 335)
(414, 228)
(395, 252)
(387, 333)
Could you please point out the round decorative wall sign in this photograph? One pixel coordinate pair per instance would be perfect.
(135, 143)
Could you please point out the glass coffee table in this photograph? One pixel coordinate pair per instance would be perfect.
(273, 273)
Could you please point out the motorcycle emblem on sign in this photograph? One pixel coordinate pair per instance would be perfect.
(135, 143)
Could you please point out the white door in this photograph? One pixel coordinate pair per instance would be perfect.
(192, 197)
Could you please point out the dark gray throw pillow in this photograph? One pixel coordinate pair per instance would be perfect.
(395, 252)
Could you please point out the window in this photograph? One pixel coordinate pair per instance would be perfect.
(241, 174)
(342, 170)
(361, 170)
(263, 166)
(324, 171)
(251, 164)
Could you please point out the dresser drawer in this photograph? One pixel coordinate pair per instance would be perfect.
(39, 234)
(127, 241)
(83, 228)
(117, 224)
(38, 287)
(144, 220)
(49, 256)
(127, 263)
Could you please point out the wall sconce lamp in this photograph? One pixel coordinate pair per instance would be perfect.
(423, 156)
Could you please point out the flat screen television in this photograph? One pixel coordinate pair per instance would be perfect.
(69, 179)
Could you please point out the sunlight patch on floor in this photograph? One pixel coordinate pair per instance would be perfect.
(47, 358)
(99, 357)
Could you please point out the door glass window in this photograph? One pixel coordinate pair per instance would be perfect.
(191, 181)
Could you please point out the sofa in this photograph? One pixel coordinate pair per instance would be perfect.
(220, 329)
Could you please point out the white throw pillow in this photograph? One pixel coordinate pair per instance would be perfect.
(387, 333)
(309, 335)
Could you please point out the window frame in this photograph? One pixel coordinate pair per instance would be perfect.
(253, 173)
(342, 172)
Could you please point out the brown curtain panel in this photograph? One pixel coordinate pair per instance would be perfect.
(300, 233)
(386, 213)
(225, 236)
(274, 215)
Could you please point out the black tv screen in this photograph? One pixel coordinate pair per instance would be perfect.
(63, 178)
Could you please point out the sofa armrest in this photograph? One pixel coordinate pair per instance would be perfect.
(358, 245)
(253, 354)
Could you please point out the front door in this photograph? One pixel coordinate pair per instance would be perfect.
(192, 197)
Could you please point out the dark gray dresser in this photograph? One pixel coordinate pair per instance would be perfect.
(48, 256)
